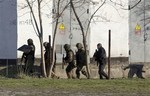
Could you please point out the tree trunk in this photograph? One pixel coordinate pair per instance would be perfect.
(54, 36)
(43, 70)
(41, 39)
(84, 38)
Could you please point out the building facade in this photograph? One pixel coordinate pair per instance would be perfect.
(109, 17)
(69, 31)
(139, 31)
(8, 31)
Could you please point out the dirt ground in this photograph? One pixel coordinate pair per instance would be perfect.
(59, 92)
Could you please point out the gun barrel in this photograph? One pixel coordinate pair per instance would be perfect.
(63, 62)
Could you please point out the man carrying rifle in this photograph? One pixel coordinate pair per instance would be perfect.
(63, 61)
(100, 57)
(70, 60)
(47, 57)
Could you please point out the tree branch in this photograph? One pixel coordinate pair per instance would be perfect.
(40, 18)
(33, 16)
(93, 16)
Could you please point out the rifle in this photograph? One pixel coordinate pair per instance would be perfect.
(63, 61)
(95, 57)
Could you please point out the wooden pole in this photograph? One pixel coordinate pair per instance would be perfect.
(109, 52)
(50, 56)
(49, 49)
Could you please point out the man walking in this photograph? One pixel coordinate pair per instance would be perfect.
(29, 57)
(100, 57)
(70, 60)
(47, 57)
(80, 60)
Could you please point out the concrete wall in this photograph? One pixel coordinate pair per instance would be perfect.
(116, 70)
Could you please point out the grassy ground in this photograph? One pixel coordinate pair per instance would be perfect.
(83, 87)
(64, 87)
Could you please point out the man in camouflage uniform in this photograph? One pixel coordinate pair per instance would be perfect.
(29, 58)
(100, 57)
(70, 60)
(80, 60)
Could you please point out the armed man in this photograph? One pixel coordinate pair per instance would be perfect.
(100, 57)
(70, 60)
(47, 56)
(29, 57)
(80, 60)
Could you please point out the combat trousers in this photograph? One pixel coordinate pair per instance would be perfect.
(29, 65)
(101, 72)
(82, 69)
(69, 69)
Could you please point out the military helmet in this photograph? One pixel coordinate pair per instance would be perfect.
(45, 44)
(79, 45)
(99, 44)
(30, 41)
(66, 46)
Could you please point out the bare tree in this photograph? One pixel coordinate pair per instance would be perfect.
(54, 35)
(39, 29)
(36, 20)
(85, 31)
(57, 17)
(137, 2)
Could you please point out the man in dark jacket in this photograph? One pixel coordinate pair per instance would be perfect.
(100, 57)
(80, 60)
(29, 57)
(70, 60)
(48, 56)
